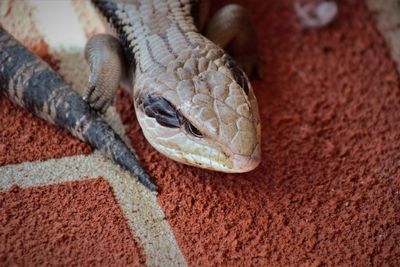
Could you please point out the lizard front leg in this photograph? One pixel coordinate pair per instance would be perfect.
(105, 57)
(231, 29)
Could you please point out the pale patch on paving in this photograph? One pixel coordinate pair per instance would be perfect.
(11, 12)
(145, 217)
(90, 19)
(387, 16)
(65, 39)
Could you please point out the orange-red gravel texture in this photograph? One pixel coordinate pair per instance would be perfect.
(77, 223)
(326, 193)
(328, 188)
(24, 137)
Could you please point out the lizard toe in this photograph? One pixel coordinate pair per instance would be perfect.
(88, 91)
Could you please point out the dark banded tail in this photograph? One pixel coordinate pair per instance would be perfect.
(32, 84)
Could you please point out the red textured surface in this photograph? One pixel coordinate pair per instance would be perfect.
(24, 137)
(71, 224)
(327, 191)
(328, 188)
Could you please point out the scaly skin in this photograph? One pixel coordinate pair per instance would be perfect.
(193, 102)
(32, 84)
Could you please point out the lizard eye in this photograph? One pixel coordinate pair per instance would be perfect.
(193, 130)
(238, 74)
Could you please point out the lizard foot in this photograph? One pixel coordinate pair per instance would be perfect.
(97, 99)
(106, 61)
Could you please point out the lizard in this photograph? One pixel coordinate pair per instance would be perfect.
(32, 84)
(193, 101)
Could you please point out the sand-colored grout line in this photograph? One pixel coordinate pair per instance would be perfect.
(140, 207)
(387, 17)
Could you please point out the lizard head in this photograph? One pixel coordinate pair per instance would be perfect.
(201, 110)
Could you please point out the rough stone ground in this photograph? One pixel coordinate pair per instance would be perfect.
(327, 191)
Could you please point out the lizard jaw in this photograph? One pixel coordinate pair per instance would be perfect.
(186, 150)
(234, 164)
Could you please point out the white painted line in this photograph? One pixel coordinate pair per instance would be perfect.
(145, 217)
(47, 172)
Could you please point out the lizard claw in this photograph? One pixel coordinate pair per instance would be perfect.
(88, 91)
(96, 98)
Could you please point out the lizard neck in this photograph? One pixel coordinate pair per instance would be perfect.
(153, 32)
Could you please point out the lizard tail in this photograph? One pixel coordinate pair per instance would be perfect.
(32, 84)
